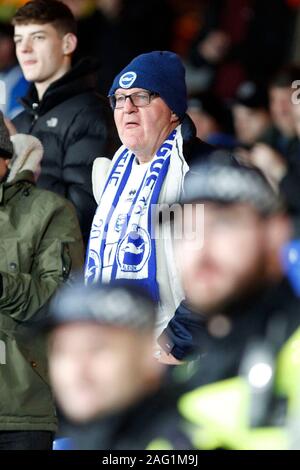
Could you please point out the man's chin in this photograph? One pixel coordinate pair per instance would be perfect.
(206, 298)
(31, 77)
(225, 304)
(207, 308)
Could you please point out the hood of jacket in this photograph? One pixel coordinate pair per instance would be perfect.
(80, 79)
(28, 153)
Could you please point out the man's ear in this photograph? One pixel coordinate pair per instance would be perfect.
(69, 43)
(174, 118)
(8, 164)
(278, 231)
(150, 365)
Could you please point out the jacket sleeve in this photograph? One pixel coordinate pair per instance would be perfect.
(181, 337)
(92, 134)
(58, 255)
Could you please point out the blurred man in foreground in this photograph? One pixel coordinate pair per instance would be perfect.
(240, 315)
(107, 383)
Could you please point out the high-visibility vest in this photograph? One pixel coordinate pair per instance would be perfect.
(219, 412)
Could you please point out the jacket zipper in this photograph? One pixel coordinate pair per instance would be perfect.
(35, 107)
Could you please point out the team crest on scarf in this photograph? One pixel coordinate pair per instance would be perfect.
(134, 251)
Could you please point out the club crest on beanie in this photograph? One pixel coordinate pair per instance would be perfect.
(161, 72)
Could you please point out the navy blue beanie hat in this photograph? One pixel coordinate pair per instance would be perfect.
(161, 72)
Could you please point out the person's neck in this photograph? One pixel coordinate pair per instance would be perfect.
(42, 87)
(143, 159)
(288, 133)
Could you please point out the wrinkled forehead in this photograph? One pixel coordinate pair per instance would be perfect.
(92, 330)
(86, 336)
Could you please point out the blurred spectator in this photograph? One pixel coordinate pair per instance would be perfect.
(188, 18)
(250, 113)
(72, 121)
(282, 136)
(270, 162)
(277, 152)
(247, 313)
(80, 8)
(212, 120)
(118, 30)
(286, 172)
(12, 82)
(233, 45)
(40, 246)
(112, 391)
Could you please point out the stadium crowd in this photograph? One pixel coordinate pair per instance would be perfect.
(149, 224)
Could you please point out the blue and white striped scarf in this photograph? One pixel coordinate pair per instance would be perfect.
(132, 255)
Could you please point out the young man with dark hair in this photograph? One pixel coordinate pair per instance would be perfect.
(61, 109)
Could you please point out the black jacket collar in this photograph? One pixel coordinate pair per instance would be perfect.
(194, 149)
(80, 79)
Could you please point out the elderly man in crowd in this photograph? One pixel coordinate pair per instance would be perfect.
(149, 100)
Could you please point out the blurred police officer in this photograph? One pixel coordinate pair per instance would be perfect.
(107, 383)
(240, 314)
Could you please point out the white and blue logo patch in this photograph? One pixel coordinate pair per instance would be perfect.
(127, 79)
(134, 251)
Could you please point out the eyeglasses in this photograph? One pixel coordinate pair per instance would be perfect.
(139, 99)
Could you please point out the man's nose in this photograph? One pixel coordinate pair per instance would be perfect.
(25, 45)
(129, 107)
